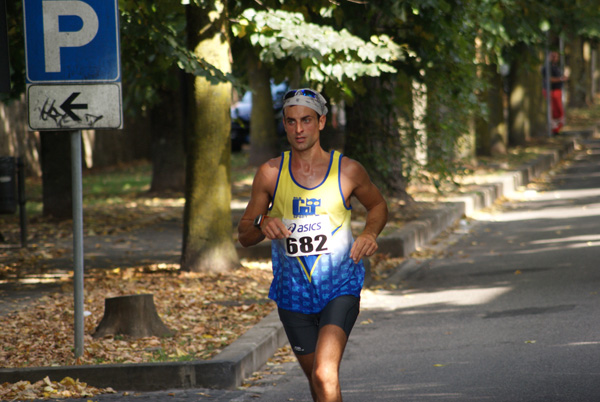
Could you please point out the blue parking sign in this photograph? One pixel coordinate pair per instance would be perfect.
(72, 41)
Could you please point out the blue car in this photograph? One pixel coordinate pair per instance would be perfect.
(241, 111)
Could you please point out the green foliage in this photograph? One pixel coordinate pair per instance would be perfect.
(153, 42)
(573, 17)
(443, 38)
(337, 45)
(324, 53)
(14, 12)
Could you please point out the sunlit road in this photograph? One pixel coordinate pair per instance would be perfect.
(510, 311)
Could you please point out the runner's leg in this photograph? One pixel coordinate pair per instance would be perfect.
(328, 357)
(302, 331)
(335, 324)
(307, 363)
(319, 340)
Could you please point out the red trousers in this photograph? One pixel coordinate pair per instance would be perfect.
(558, 112)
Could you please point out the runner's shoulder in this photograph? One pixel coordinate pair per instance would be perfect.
(268, 171)
(351, 167)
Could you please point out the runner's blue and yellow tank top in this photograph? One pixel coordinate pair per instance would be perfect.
(313, 266)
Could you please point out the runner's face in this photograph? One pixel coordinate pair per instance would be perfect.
(302, 126)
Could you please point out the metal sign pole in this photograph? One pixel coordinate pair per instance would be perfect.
(77, 239)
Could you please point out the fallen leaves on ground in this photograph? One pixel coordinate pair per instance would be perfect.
(207, 312)
(382, 267)
(47, 389)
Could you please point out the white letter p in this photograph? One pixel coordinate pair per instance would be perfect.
(54, 39)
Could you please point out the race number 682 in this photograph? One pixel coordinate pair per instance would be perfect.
(306, 245)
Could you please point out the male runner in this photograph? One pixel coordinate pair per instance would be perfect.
(301, 202)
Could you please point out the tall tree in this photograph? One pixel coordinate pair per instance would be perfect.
(264, 143)
(439, 38)
(373, 136)
(537, 109)
(207, 233)
(168, 137)
(520, 97)
(579, 81)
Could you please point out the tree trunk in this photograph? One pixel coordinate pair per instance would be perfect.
(373, 136)
(518, 120)
(168, 132)
(578, 83)
(491, 132)
(588, 73)
(133, 316)
(264, 143)
(595, 71)
(207, 231)
(537, 110)
(56, 174)
(114, 147)
(441, 142)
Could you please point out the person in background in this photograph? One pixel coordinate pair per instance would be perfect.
(557, 78)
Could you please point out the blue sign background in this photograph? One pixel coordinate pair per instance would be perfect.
(97, 61)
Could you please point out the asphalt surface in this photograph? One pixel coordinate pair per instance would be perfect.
(438, 338)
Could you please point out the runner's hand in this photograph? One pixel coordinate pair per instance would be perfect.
(273, 228)
(364, 245)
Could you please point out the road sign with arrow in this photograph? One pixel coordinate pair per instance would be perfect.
(73, 107)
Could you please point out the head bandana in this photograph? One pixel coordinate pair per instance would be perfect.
(302, 97)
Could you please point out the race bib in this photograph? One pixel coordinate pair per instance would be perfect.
(310, 236)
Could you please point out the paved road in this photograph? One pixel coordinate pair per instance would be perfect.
(509, 311)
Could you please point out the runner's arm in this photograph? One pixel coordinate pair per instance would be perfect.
(377, 212)
(260, 199)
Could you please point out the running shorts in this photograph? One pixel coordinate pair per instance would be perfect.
(302, 330)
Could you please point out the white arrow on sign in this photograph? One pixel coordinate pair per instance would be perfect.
(85, 106)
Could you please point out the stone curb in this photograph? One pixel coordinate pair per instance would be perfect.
(227, 371)
(252, 350)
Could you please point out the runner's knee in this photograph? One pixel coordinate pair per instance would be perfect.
(325, 377)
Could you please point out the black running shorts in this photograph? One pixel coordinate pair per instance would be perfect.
(303, 329)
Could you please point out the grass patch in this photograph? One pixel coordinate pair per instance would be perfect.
(130, 180)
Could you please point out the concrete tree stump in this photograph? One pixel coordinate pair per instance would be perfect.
(133, 315)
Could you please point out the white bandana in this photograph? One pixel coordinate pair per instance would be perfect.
(317, 104)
